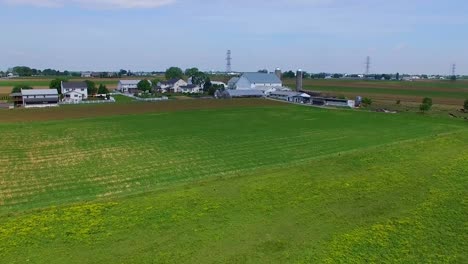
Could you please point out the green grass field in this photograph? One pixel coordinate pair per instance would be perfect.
(265, 184)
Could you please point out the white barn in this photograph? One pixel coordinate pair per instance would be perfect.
(255, 80)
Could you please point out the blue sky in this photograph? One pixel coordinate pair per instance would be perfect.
(411, 36)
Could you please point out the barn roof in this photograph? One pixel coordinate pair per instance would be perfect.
(259, 77)
(240, 93)
(39, 92)
(129, 82)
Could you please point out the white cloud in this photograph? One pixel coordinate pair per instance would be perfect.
(101, 4)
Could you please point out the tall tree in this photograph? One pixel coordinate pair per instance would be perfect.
(174, 73)
(57, 84)
(398, 76)
(22, 71)
(91, 87)
(144, 85)
(191, 72)
(102, 89)
(18, 88)
(199, 78)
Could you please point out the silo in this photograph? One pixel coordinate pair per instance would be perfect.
(278, 73)
(299, 80)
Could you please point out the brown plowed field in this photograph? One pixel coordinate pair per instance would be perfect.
(87, 111)
(403, 98)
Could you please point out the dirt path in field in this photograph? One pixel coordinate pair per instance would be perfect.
(89, 111)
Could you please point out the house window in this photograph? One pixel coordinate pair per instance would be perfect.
(76, 95)
(82, 90)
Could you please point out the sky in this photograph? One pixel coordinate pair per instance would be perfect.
(406, 36)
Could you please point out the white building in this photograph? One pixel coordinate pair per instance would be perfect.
(172, 86)
(191, 88)
(74, 91)
(255, 80)
(128, 86)
(40, 98)
(86, 74)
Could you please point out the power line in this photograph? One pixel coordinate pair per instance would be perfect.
(368, 65)
(228, 61)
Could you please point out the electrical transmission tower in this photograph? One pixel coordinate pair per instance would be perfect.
(454, 69)
(228, 61)
(368, 64)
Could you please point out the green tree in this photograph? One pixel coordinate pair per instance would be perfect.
(453, 78)
(465, 105)
(174, 73)
(289, 75)
(91, 87)
(102, 89)
(397, 76)
(57, 84)
(144, 85)
(367, 101)
(199, 79)
(18, 88)
(426, 105)
(22, 71)
(191, 72)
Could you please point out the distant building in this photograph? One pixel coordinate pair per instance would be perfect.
(36, 98)
(190, 88)
(128, 86)
(255, 80)
(74, 91)
(294, 97)
(171, 86)
(239, 94)
(86, 74)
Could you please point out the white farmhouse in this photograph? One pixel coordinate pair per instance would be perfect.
(191, 88)
(255, 80)
(128, 86)
(74, 91)
(172, 86)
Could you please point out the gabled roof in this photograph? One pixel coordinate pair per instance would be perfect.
(171, 81)
(259, 77)
(129, 82)
(240, 93)
(39, 92)
(74, 85)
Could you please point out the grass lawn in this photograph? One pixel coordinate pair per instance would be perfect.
(265, 184)
(122, 99)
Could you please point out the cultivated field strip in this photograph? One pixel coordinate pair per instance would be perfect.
(43, 164)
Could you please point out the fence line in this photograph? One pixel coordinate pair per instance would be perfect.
(164, 98)
(111, 100)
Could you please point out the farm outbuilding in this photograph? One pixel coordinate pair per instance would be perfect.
(240, 94)
(335, 102)
(288, 96)
(39, 98)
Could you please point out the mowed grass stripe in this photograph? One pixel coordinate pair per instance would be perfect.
(364, 206)
(105, 156)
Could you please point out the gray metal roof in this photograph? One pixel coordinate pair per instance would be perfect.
(258, 77)
(129, 82)
(39, 92)
(285, 93)
(74, 85)
(240, 93)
